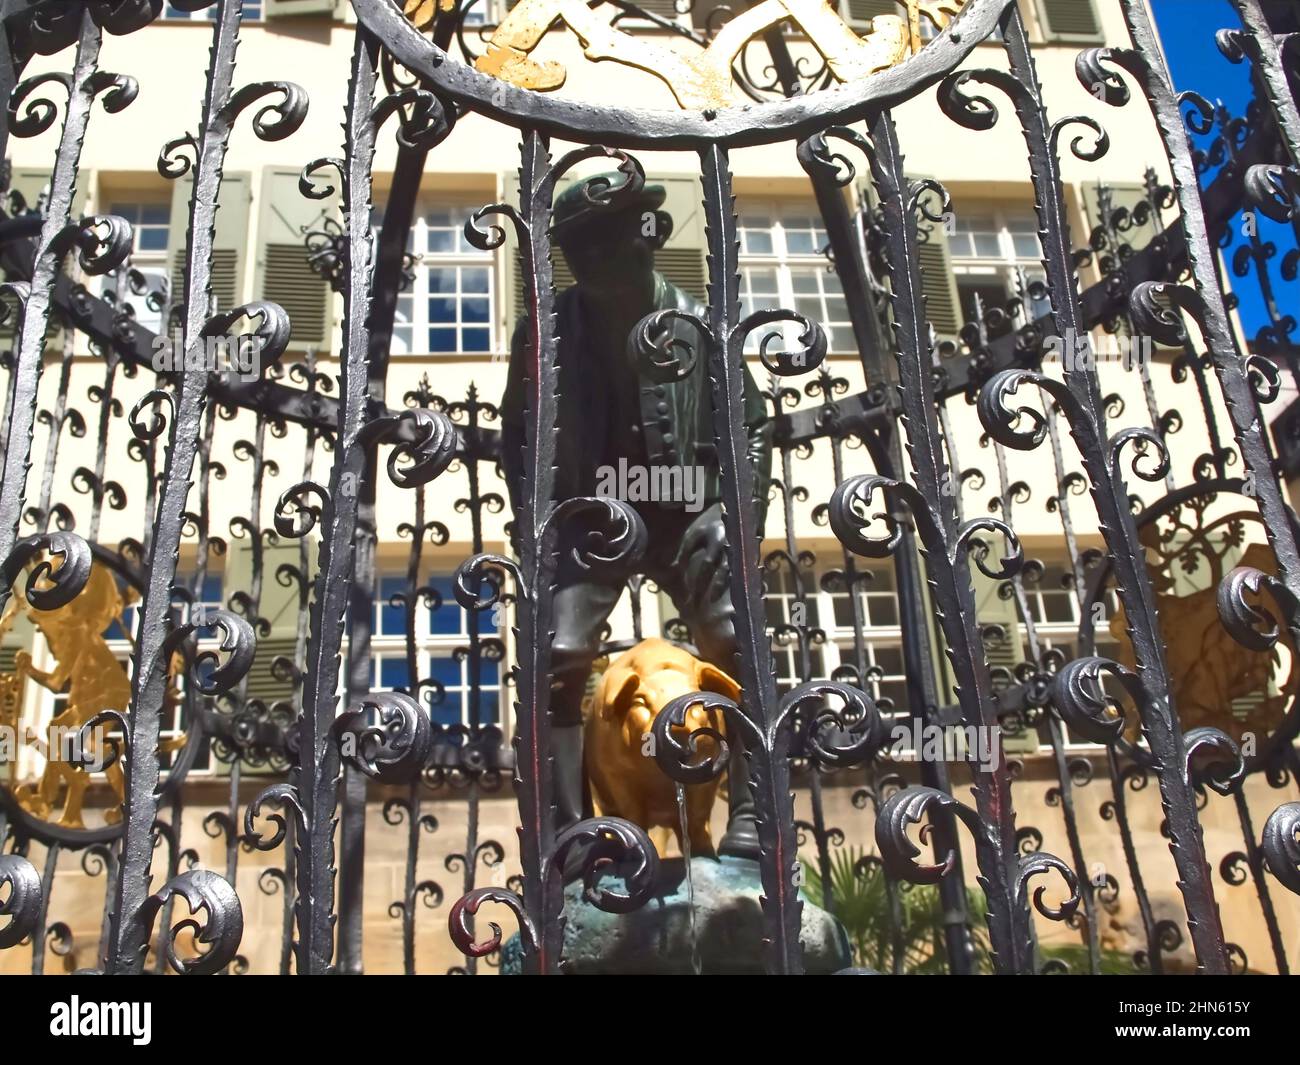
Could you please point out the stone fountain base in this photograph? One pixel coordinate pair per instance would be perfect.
(656, 939)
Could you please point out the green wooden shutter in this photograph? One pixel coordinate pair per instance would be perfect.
(859, 13)
(938, 282)
(279, 606)
(295, 8)
(512, 303)
(560, 274)
(262, 682)
(681, 260)
(285, 217)
(991, 609)
(1069, 20)
(32, 182)
(1128, 195)
(229, 243)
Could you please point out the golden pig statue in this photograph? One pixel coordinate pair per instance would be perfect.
(624, 781)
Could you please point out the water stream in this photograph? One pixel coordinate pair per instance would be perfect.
(696, 967)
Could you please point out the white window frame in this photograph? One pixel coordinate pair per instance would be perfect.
(1003, 266)
(153, 262)
(786, 264)
(838, 649)
(412, 321)
(430, 645)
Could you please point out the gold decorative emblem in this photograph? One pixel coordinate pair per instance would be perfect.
(92, 678)
(1216, 681)
(702, 79)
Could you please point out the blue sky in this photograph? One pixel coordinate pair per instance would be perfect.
(1187, 28)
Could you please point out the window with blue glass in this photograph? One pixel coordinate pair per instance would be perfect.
(449, 618)
(457, 702)
(150, 222)
(209, 600)
(390, 672)
(441, 629)
(447, 308)
(390, 618)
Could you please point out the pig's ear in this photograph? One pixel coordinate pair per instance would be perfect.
(712, 679)
(618, 692)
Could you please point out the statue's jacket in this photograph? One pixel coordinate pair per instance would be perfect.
(676, 418)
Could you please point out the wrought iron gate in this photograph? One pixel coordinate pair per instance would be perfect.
(197, 664)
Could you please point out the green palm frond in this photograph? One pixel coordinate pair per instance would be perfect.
(892, 927)
(909, 928)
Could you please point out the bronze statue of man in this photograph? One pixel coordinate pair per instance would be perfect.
(616, 414)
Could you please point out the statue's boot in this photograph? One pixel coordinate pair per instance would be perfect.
(741, 838)
(568, 775)
(566, 750)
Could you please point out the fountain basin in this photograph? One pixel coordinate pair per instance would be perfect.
(656, 939)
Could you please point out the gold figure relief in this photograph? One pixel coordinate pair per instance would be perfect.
(702, 79)
(1216, 682)
(93, 679)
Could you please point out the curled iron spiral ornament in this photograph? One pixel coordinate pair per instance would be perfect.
(221, 932)
(282, 795)
(1078, 693)
(662, 354)
(396, 748)
(900, 854)
(424, 120)
(478, 571)
(679, 757)
(608, 844)
(604, 531)
(1214, 759)
(238, 644)
(21, 910)
(809, 354)
(102, 243)
(424, 444)
(295, 513)
(1250, 625)
(1281, 845)
(463, 909)
(48, 586)
(837, 738)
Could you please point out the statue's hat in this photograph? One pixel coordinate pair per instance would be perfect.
(575, 209)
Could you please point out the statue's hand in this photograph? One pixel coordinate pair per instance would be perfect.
(22, 662)
(703, 553)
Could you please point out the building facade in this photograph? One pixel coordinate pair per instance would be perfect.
(455, 317)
